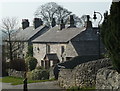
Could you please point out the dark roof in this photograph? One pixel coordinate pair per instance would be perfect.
(56, 35)
(26, 34)
(52, 56)
(73, 62)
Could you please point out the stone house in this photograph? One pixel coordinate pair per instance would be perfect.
(23, 37)
(62, 43)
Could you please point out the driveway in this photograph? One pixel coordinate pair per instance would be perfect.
(50, 85)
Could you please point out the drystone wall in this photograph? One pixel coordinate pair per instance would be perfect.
(83, 75)
(51, 74)
(12, 72)
(108, 78)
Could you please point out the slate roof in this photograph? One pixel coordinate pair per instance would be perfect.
(26, 34)
(52, 56)
(56, 35)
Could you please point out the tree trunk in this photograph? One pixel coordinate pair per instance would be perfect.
(10, 48)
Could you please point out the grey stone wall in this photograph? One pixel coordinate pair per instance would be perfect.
(12, 72)
(84, 75)
(66, 78)
(107, 78)
(51, 74)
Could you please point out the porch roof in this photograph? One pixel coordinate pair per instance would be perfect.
(51, 56)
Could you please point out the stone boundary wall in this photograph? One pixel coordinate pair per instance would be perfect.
(12, 72)
(51, 73)
(83, 75)
(108, 78)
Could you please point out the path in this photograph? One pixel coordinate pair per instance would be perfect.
(42, 85)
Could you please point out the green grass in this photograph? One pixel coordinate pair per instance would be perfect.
(18, 80)
(0, 80)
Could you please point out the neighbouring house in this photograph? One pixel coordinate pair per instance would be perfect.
(62, 43)
(23, 37)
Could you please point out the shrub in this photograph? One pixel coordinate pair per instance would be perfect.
(29, 75)
(38, 74)
(30, 51)
(31, 63)
(17, 64)
(111, 34)
(39, 67)
(4, 68)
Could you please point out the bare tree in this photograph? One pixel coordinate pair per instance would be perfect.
(62, 13)
(8, 27)
(78, 21)
(51, 10)
(84, 19)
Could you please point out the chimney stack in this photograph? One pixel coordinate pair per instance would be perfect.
(25, 23)
(62, 25)
(72, 23)
(88, 23)
(53, 22)
(37, 22)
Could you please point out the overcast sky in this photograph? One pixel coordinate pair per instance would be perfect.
(24, 9)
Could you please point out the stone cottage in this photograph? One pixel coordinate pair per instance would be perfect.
(62, 43)
(23, 37)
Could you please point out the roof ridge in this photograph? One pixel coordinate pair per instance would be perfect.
(64, 36)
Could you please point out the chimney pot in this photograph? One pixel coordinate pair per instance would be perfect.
(37, 22)
(88, 23)
(72, 23)
(88, 18)
(25, 23)
(62, 25)
(53, 22)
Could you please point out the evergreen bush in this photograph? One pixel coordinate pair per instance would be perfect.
(38, 74)
(17, 64)
(111, 34)
(31, 63)
(30, 51)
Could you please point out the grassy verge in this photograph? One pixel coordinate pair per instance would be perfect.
(18, 80)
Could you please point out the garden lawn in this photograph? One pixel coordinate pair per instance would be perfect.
(18, 80)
